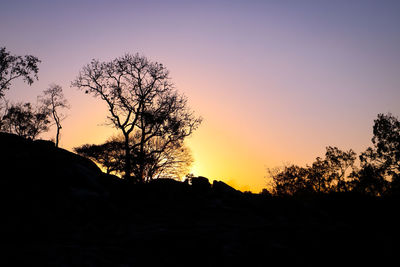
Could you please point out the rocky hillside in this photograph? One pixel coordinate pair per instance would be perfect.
(59, 209)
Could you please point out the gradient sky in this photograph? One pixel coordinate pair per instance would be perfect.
(275, 81)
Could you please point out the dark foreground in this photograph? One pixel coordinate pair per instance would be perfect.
(58, 209)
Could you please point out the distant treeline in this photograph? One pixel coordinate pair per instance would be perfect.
(376, 173)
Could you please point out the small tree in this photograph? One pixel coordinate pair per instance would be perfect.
(172, 161)
(140, 98)
(53, 98)
(13, 67)
(109, 155)
(165, 160)
(25, 120)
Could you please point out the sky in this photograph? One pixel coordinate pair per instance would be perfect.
(275, 81)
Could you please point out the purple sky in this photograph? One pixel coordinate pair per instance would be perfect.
(275, 81)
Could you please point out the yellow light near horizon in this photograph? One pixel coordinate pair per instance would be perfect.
(216, 159)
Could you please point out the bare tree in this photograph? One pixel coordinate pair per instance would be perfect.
(173, 161)
(53, 98)
(162, 159)
(140, 98)
(13, 67)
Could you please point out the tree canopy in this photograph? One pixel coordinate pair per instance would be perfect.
(172, 162)
(13, 67)
(141, 100)
(25, 120)
(381, 163)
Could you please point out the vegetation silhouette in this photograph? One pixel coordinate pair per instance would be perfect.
(26, 119)
(172, 160)
(13, 67)
(377, 174)
(323, 176)
(141, 101)
(53, 99)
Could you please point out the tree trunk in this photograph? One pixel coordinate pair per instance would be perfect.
(58, 135)
(141, 153)
(127, 159)
(58, 124)
(141, 162)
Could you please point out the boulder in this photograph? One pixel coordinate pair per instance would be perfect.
(200, 184)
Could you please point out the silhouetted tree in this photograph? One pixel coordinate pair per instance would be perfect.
(25, 120)
(318, 177)
(380, 164)
(290, 180)
(53, 98)
(173, 161)
(140, 98)
(340, 165)
(386, 142)
(110, 155)
(13, 67)
(370, 180)
(166, 160)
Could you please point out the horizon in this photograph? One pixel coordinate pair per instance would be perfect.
(275, 82)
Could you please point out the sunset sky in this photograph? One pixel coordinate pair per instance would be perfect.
(275, 81)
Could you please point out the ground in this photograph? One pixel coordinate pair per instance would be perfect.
(59, 209)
